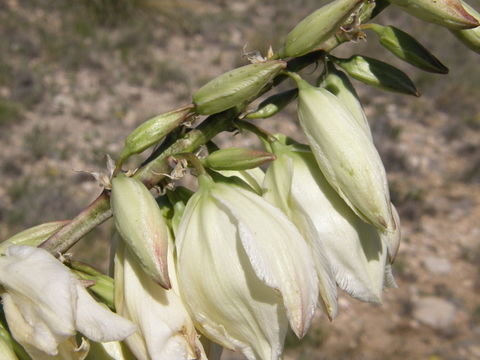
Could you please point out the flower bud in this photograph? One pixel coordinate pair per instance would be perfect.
(378, 74)
(255, 265)
(140, 223)
(273, 104)
(318, 27)
(236, 159)
(33, 236)
(470, 37)
(448, 13)
(345, 154)
(339, 85)
(407, 48)
(152, 131)
(235, 87)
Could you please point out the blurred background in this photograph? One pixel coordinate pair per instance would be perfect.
(77, 76)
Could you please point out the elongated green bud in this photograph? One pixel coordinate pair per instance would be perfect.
(378, 74)
(318, 27)
(273, 104)
(33, 236)
(152, 131)
(470, 37)
(339, 85)
(407, 48)
(235, 87)
(448, 13)
(103, 284)
(178, 199)
(237, 159)
(140, 223)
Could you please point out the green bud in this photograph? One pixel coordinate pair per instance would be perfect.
(378, 74)
(318, 27)
(237, 159)
(273, 104)
(33, 236)
(152, 131)
(448, 13)
(407, 48)
(103, 284)
(339, 85)
(235, 87)
(470, 37)
(140, 223)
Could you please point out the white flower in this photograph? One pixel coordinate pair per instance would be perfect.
(356, 251)
(345, 154)
(45, 304)
(165, 330)
(241, 264)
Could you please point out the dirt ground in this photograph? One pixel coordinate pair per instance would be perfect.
(77, 77)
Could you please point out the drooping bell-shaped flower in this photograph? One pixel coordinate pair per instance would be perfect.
(356, 251)
(165, 330)
(345, 154)
(241, 265)
(45, 305)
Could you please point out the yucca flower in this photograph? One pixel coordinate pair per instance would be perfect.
(356, 251)
(45, 305)
(241, 265)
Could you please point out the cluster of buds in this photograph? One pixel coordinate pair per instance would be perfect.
(263, 240)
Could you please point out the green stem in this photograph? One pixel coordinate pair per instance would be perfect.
(261, 133)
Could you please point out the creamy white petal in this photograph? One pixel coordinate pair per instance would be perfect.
(165, 330)
(97, 322)
(274, 246)
(45, 304)
(278, 190)
(228, 301)
(253, 177)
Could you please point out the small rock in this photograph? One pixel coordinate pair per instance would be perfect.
(435, 312)
(438, 266)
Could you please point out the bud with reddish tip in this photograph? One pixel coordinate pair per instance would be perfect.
(140, 223)
(448, 13)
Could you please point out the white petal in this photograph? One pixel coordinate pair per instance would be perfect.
(165, 331)
(97, 322)
(229, 303)
(278, 190)
(42, 291)
(274, 247)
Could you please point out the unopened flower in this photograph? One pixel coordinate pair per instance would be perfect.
(356, 251)
(141, 225)
(165, 330)
(45, 304)
(345, 154)
(241, 264)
